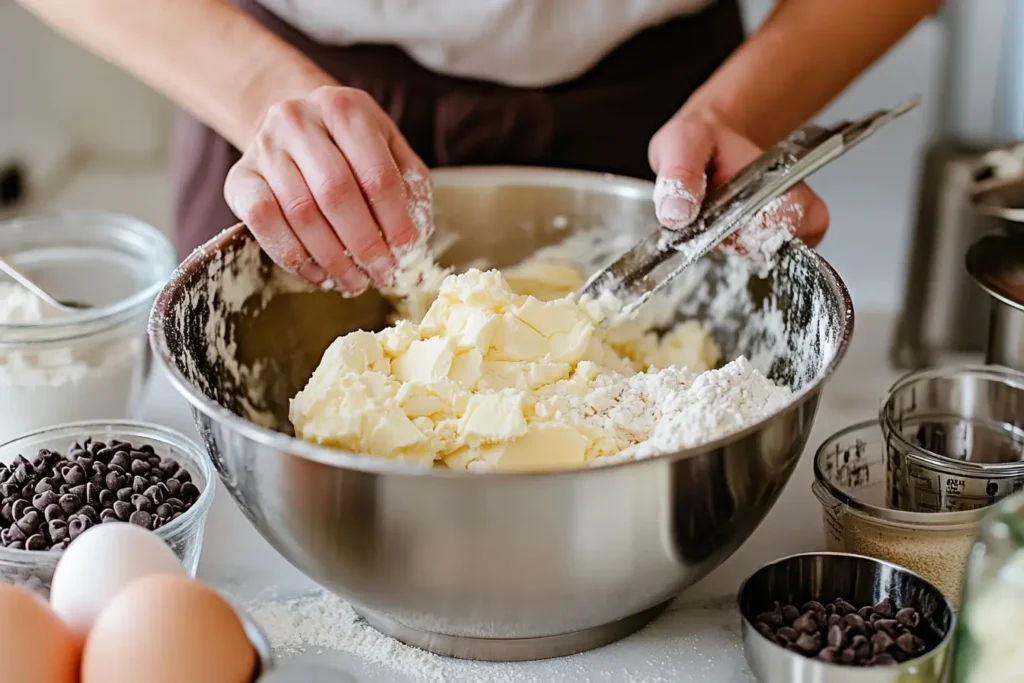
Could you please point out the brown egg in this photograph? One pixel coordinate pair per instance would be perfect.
(35, 645)
(168, 629)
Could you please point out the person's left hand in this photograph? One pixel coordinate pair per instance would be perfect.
(697, 148)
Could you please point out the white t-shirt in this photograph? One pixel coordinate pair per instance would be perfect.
(525, 43)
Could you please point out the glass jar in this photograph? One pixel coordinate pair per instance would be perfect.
(93, 363)
(184, 535)
(987, 647)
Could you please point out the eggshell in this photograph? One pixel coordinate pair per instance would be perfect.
(168, 629)
(35, 645)
(99, 564)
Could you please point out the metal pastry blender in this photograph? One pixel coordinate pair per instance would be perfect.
(659, 258)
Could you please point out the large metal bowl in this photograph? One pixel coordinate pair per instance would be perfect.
(502, 566)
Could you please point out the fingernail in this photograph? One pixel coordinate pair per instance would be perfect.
(676, 212)
(314, 274)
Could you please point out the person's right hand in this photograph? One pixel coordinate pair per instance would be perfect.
(329, 187)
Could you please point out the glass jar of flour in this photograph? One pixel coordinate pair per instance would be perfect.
(93, 363)
(987, 647)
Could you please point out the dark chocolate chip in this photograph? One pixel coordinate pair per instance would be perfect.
(53, 512)
(139, 484)
(45, 484)
(19, 507)
(836, 637)
(77, 526)
(122, 460)
(15, 533)
(36, 542)
(843, 608)
(107, 498)
(173, 487)
(30, 522)
(113, 481)
(809, 643)
(889, 626)
(154, 494)
(855, 622)
(147, 449)
(908, 617)
(164, 511)
(123, 510)
(16, 545)
(73, 474)
(43, 500)
(806, 623)
(789, 612)
(142, 503)
(140, 468)
(881, 642)
(884, 607)
(190, 493)
(89, 512)
(828, 654)
(140, 518)
(125, 494)
(78, 491)
(789, 633)
(5, 513)
(104, 455)
(183, 475)
(70, 503)
(882, 659)
(58, 530)
(108, 515)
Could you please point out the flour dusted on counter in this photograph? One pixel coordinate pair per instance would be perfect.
(47, 383)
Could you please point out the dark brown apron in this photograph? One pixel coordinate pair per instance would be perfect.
(601, 121)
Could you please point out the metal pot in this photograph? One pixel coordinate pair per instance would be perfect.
(492, 566)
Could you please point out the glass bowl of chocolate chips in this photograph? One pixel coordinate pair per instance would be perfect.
(843, 618)
(57, 482)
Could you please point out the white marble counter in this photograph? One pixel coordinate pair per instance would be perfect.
(687, 643)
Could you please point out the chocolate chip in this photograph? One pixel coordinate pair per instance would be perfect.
(107, 498)
(164, 512)
(140, 468)
(113, 481)
(43, 500)
(142, 503)
(78, 491)
(123, 510)
(882, 660)
(36, 542)
(125, 494)
(5, 513)
(889, 626)
(122, 460)
(836, 637)
(30, 522)
(813, 606)
(108, 515)
(19, 507)
(881, 642)
(90, 513)
(807, 623)
(789, 612)
(104, 455)
(58, 530)
(908, 617)
(15, 533)
(154, 494)
(828, 654)
(70, 503)
(182, 475)
(809, 643)
(140, 518)
(855, 622)
(16, 545)
(53, 512)
(884, 607)
(139, 484)
(173, 487)
(77, 526)
(74, 474)
(45, 484)
(789, 633)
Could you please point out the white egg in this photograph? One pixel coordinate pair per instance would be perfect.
(99, 564)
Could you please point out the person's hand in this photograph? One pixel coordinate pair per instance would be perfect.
(696, 149)
(330, 189)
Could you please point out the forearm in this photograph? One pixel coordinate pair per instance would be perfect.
(206, 55)
(803, 55)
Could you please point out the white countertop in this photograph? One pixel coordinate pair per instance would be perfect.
(689, 642)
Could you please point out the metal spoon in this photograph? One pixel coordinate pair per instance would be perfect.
(17, 276)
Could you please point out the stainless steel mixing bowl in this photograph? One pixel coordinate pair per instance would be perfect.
(498, 566)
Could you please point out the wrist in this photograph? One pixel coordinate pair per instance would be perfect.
(272, 83)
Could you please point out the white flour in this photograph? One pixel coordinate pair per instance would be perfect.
(665, 651)
(43, 384)
(668, 188)
(761, 238)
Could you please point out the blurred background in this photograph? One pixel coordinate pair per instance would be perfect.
(88, 136)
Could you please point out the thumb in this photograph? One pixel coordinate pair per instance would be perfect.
(679, 154)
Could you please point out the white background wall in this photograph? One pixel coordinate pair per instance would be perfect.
(871, 192)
